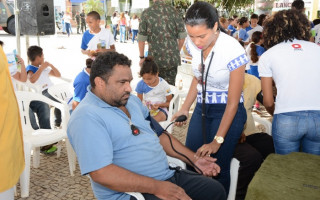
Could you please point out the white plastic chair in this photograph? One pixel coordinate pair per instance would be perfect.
(61, 92)
(26, 86)
(34, 139)
(234, 170)
(174, 106)
(266, 123)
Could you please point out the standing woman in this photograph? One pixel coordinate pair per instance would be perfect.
(243, 35)
(115, 23)
(122, 24)
(291, 61)
(134, 27)
(220, 86)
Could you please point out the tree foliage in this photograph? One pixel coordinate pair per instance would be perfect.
(231, 6)
(94, 5)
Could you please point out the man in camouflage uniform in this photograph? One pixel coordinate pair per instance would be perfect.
(163, 28)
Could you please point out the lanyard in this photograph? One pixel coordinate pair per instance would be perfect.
(204, 89)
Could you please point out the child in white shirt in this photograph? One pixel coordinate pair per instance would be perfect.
(153, 90)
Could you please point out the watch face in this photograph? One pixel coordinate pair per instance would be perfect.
(219, 139)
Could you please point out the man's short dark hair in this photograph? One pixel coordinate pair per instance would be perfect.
(89, 62)
(1, 43)
(33, 52)
(254, 16)
(298, 5)
(103, 65)
(94, 14)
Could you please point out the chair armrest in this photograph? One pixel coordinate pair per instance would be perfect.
(174, 162)
(137, 195)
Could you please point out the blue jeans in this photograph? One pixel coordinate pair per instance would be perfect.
(134, 34)
(57, 112)
(114, 28)
(195, 185)
(122, 33)
(214, 113)
(42, 111)
(296, 131)
(68, 28)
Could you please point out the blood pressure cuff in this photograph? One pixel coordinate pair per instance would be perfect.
(156, 127)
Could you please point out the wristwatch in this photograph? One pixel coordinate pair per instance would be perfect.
(141, 57)
(219, 139)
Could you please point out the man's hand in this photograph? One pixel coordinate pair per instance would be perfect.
(169, 191)
(141, 62)
(208, 166)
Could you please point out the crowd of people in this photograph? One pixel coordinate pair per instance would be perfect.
(116, 135)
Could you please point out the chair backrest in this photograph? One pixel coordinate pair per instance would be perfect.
(184, 74)
(26, 86)
(24, 99)
(61, 92)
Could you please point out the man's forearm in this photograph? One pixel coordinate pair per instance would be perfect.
(141, 48)
(180, 43)
(178, 146)
(122, 180)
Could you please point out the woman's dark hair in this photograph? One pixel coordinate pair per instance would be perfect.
(114, 14)
(149, 67)
(103, 65)
(242, 20)
(262, 17)
(286, 25)
(298, 5)
(89, 62)
(256, 37)
(202, 13)
(33, 52)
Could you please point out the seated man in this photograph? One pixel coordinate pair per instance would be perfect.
(111, 134)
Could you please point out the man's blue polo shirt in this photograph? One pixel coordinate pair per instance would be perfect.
(80, 84)
(101, 135)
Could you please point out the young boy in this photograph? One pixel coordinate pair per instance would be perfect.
(38, 73)
(81, 83)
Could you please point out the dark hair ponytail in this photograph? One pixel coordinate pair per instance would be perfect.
(149, 67)
(256, 37)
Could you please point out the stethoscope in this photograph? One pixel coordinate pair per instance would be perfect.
(204, 89)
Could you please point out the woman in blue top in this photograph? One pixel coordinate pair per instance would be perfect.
(243, 35)
(218, 63)
(255, 50)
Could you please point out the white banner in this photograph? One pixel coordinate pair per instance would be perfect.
(140, 4)
(115, 3)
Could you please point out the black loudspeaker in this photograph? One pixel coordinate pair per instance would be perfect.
(36, 17)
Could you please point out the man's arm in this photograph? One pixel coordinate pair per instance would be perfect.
(180, 43)
(122, 180)
(206, 164)
(54, 71)
(141, 51)
(74, 104)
